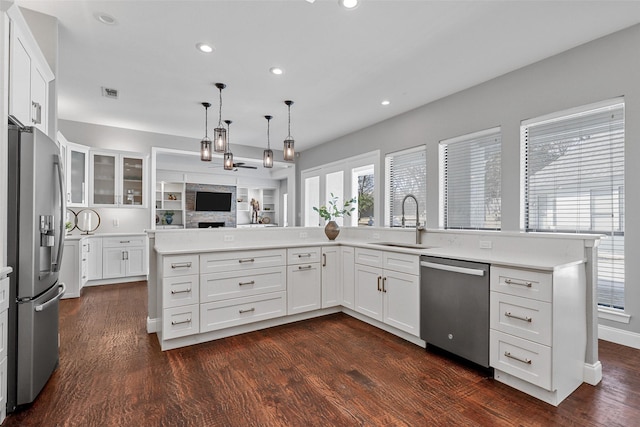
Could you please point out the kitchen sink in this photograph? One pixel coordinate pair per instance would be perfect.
(403, 245)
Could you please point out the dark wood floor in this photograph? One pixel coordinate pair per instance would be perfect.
(330, 371)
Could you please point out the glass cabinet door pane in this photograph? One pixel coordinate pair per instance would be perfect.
(77, 170)
(131, 181)
(104, 180)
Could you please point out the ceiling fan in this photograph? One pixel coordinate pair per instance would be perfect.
(235, 166)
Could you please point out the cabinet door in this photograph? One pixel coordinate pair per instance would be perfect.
(402, 301)
(303, 288)
(104, 172)
(113, 263)
(77, 175)
(368, 292)
(131, 184)
(70, 268)
(94, 258)
(136, 261)
(20, 79)
(331, 277)
(348, 277)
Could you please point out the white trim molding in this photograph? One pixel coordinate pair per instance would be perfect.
(152, 325)
(592, 373)
(619, 336)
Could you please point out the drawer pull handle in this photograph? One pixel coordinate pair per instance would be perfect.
(173, 322)
(125, 241)
(513, 282)
(305, 267)
(184, 291)
(246, 260)
(515, 316)
(253, 282)
(249, 310)
(519, 359)
(181, 265)
(304, 255)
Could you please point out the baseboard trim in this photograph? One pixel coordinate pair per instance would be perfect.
(152, 325)
(592, 373)
(619, 336)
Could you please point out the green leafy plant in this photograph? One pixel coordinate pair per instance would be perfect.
(169, 213)
(68, 225)
(332, 211)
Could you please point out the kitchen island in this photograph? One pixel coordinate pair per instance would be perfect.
(206, 285)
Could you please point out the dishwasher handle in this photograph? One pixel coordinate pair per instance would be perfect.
(453, 268)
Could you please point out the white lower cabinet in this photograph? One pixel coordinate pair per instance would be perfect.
(180, 321)
(304, 280)
(347, 266)
(331, 276)
(94, 258)
(387, 295)
(71, 268)
(239, 311)
(537, 338)
(124, 256)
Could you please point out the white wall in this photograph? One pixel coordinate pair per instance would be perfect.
(602, 69)
(4, 112)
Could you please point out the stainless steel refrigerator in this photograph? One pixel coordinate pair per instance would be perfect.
(35, 231)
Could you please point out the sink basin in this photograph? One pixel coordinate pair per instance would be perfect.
(402, 245)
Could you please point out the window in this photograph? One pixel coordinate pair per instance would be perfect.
(406, 173)
(470, 196)
(573, 181)
(345, 179)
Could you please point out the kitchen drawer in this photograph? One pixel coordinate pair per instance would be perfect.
(180, 290)
(241, 260)
(180, 265)
(523, 283)
(403, 263)
(180, 321)
(240, 311)
(303, 255)
(4, 294)
(123, 241)
(522, 317)
(236, 284)
(521, 358)
(369, 257)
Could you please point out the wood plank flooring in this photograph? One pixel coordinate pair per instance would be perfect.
(330, 371)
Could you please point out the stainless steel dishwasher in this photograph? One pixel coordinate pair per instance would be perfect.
(454, 307)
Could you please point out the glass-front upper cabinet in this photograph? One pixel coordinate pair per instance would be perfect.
(118, 179)
(77, 175)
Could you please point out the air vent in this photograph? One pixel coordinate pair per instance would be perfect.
(109, 93)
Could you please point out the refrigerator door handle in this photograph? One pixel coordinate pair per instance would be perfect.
(62, 288)
(63, 208)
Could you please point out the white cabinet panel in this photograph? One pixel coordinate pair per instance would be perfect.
(241, 261)
(303, 288)
(239, 311)
(118, 179)
(181, 290)
(227, 285)
(20, 80)
(180, 321)
(348, 277)
(402, 301)
(113, 263)
(94, 258)
(180, 265)
(368, 298)
(522, 358)
(331, 277)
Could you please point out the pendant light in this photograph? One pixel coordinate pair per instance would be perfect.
(267, 157)
(205, 144)
(288, 142)
(220, 133)
(228, 156)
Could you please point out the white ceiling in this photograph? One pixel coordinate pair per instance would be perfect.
(339, 64)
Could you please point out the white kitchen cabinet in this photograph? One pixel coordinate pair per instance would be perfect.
(71, 268)
(118, 179)
(94, 257)
(331, 276)
(348, 276)
(304, 287)
(537, 331)
(29, 75)
(77, 174)
(387, 288)
(124, 256)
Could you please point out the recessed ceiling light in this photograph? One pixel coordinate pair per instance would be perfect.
(385, 102)
(203, 47)
(348, 4)
(105, 18)
(276, 70)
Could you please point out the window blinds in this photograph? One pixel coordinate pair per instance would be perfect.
(406, 173)
(573, 170)
(472, 181)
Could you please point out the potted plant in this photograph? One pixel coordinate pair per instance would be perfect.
(168, 217)
(331, 211)
(68, 226)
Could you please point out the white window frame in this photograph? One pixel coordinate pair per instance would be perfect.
(442, 175)
(347, 166)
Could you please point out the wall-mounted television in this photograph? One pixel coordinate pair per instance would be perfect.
(209, 201)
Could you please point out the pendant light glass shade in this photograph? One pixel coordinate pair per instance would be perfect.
(220, 133)
(267, 156)
(289, 152)
(205, 144)
(228, 156)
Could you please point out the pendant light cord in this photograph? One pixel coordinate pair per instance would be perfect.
(289, 107)
(220, 110)
(206, 121)
(268, 141)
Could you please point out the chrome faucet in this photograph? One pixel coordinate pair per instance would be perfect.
(419, 228)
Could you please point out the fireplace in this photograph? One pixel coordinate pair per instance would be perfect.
(210, 224)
